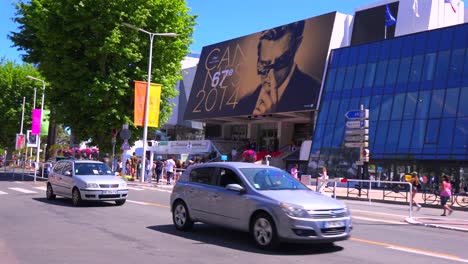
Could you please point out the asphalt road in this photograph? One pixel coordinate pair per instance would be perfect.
(35, 230)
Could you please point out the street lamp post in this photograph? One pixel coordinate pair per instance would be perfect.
(145, 116)
(38, 141)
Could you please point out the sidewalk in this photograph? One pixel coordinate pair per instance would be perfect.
(457, 221)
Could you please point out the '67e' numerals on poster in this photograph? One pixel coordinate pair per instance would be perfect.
(209, 99)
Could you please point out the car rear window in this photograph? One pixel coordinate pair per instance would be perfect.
(203, 175)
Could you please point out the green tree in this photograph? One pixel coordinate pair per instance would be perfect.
(90, 59)
(14, 85)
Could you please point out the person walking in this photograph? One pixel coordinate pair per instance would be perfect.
(170, 164)
(415, 185)
(159, 170)
(295, 171)
(445, 193)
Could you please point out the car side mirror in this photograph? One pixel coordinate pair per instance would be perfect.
(67, 173)
(235, 187)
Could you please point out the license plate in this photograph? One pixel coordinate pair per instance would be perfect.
(333, 224)
(109, 192)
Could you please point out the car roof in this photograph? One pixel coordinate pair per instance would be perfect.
(84, 161)
(231, 164)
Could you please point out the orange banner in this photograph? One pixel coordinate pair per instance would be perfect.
(154, 104)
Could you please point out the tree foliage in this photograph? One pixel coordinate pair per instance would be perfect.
(14, 85)
(90, 59)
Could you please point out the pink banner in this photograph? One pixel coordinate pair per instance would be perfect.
(36, 122)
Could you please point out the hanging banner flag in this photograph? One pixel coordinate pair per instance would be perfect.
(36, 121)
(45, 123)
(19, 141)
(153, 107)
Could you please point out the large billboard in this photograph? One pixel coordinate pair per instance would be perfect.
(273, 71)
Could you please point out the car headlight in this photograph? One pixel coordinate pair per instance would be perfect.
(92, 185)
(123, 185)
(294, 210)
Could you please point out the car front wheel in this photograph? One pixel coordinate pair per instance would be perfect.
(76, 197)
(181, 217)
(263, 231)
(50, 192)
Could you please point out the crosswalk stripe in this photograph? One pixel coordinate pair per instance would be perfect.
(22, 190)
(42, 188)
(3, 192)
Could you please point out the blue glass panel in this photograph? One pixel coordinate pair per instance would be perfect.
(374, 107)
(363, 50)
(437, 103)
(327, 136)
(354, 103)
(353, 54)
(335, 59)
(419, 130)
(432, 131)
(333, 109)
(465, 69)
(323, 114)
(386, 107)
(373, 52)
(405, 136)
(318, 137)
(429, 66)
(372, 132)
(392, 71)
(408, 44)
(415, 73)
(349, 79)
(344, 107)
(398, 106)
(370, 75)
(384, 51)
(420, 43)
(456, 68)
(381, 70)
(395, 47)
(422, 109)
(410, 105)
(360, 73)
(340, 74)
(451, 102)
(404, 69)
(380, 135)
(338, 136)
(365, 101)
(393, 136)
(343, 58)
(459, 37)
(463, 106)
(433, 38)
(442, 68)
(446, 135)
(330, 81)
(445, 39)
(460, 139)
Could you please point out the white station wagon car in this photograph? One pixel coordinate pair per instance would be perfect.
(263, 200)
(85, 180)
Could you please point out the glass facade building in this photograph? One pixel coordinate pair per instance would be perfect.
(416, 89)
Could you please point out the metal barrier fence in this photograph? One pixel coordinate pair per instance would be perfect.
(324, 184)
(13, 168)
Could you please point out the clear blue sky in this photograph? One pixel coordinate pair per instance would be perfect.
(218, 20)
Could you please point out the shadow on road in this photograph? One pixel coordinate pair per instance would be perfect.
(68, 203)
(207, 234)
(19, 177)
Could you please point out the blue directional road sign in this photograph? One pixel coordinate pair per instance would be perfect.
(357, 114)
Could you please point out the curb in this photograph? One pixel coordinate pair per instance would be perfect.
(414, 222)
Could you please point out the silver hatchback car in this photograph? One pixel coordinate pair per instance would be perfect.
(85, 180)
(263, 200)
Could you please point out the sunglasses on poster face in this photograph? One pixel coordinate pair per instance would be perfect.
(283, 61)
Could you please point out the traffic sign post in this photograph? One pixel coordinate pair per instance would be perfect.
(357, 131)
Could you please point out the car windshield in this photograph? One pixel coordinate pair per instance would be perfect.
(92, 169)
(271, 179)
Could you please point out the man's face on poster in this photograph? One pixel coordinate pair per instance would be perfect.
(275, 60)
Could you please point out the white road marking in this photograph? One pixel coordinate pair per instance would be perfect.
(378, 220)
(430, 254)
(136, 202)
(22, 190)
(3, 192)
(136, 189)
(42, 188)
